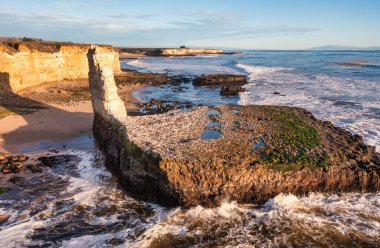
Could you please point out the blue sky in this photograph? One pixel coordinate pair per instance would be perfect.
(246, 24)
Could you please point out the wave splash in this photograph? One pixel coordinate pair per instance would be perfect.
(94, 212)
(349, 103)
(284, 221)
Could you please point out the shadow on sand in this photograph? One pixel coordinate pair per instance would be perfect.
(41, 126)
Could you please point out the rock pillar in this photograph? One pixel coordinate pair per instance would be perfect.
(105, 100)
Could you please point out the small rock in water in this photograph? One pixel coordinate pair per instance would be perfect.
(16, 179)
(34, 168)
(55, 160)
(6, 169)
(231, 90)
(53, 150)
(16, 167)
(4, 218)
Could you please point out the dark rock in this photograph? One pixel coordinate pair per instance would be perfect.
(16, 179)
(34, 168)
(129, 77)
(53, 161)
(231, 90)
(54, 150)
(4, 217)
(220, 80)
(155, 106)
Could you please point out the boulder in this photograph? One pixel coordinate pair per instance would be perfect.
(231, 90)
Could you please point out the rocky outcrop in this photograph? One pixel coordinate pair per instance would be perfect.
(31, 63)
(243, 153)
(220, 80)
(131, 77)
(105, 100)
(231, 90)
(182, 52)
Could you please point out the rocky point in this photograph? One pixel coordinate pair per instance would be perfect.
(207, 155)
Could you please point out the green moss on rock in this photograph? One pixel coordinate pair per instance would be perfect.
(292, 144)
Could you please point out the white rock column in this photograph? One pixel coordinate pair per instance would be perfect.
(105, 100)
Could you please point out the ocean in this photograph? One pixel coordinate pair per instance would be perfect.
(89, 209)
(340, 86)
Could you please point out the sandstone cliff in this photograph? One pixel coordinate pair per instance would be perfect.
(28, 64)
(182, 52)
(105, 100)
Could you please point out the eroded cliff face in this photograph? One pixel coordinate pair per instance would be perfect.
(105, 100)
(183, 52)
(28, 64)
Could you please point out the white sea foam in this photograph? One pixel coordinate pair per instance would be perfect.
(90, 182)
(254, 71)
(282, 221)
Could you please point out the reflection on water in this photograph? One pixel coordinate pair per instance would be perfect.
(210, 134)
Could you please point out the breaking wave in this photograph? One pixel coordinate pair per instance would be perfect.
(93, 211)
(349, 103)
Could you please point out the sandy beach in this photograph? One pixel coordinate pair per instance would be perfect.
(45, 128)
(52, 115)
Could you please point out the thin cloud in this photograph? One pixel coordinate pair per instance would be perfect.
(174, 28)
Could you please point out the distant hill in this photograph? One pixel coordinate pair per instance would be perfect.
(342, 48)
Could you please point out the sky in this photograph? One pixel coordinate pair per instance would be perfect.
(235, 24)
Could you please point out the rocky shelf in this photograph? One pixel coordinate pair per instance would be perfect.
(183, 51)
(207, 155)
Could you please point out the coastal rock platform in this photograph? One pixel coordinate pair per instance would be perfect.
(207, 155)
(242, 153)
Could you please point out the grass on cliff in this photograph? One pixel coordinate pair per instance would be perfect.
(293, 143)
